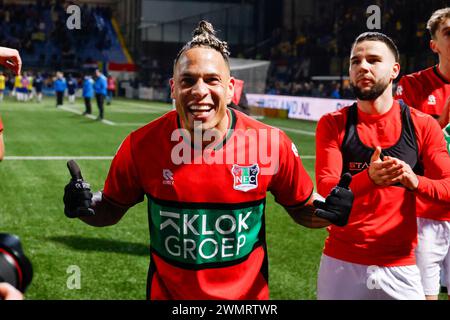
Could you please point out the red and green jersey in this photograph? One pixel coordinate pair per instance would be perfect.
(206, 207)
(427, 90)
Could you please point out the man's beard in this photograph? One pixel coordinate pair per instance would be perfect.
(377, 90)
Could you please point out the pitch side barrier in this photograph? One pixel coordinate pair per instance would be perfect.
(304, 108)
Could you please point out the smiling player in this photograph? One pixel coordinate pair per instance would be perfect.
(206, 217)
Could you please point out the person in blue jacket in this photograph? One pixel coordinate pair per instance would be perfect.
(100, 89)
(60, 87)
(88, 92)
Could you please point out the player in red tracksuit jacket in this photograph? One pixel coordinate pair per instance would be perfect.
(205, 170)
(9, 58)
(394, 154)
(429, 91)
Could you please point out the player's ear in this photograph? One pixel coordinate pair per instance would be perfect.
(230, 90)
(395, 70)
(433, 46)
(171, 82)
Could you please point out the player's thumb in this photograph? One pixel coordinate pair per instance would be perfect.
(74, 170)
(345, 181)
(376, 155)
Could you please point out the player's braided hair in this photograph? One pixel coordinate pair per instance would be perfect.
(205, 36)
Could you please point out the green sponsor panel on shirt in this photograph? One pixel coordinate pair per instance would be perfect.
(198, 236)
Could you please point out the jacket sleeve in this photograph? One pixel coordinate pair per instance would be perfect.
(435, 184)
(329, 161)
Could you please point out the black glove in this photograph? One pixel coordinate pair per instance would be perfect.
(338, 204)
(77, 194)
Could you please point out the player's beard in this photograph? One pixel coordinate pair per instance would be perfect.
(377, 90)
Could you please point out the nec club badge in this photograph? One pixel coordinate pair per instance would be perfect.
(245, 177)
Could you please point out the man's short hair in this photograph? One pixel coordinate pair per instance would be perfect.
(438, 17)
(378, 36)
(205, 36)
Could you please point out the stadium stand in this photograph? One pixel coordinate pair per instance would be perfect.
(46, 42)
(299, 52)
(320, 46)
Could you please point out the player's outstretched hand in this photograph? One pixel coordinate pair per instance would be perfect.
(10, 59)
(337, 206)
(77, 194)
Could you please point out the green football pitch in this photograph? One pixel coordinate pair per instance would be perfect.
(113, 261)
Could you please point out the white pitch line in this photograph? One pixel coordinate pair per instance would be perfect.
(108, 122)
(90, 116)
(126, 124)
(51, 158)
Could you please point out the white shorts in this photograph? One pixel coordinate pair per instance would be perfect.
(433, 254)
(341, 280)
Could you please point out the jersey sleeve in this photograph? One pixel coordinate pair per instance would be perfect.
(122, 184)
(291, 185)
(1, 125)
(435, 184)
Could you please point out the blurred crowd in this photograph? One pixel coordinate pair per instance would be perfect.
(318, 45)
(38, 30)
(321, 46)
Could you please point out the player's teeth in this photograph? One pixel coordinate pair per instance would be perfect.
(200, 108)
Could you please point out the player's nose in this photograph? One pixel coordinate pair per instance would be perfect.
(364, 65)
(199, 89)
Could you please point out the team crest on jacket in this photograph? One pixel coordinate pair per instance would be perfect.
(245, 177)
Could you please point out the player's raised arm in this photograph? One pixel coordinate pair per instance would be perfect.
(79, 202)
(319, 212)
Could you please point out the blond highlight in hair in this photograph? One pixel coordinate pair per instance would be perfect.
(438, 17)
(205, 36)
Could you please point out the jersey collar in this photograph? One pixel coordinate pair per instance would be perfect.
(439, 74)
